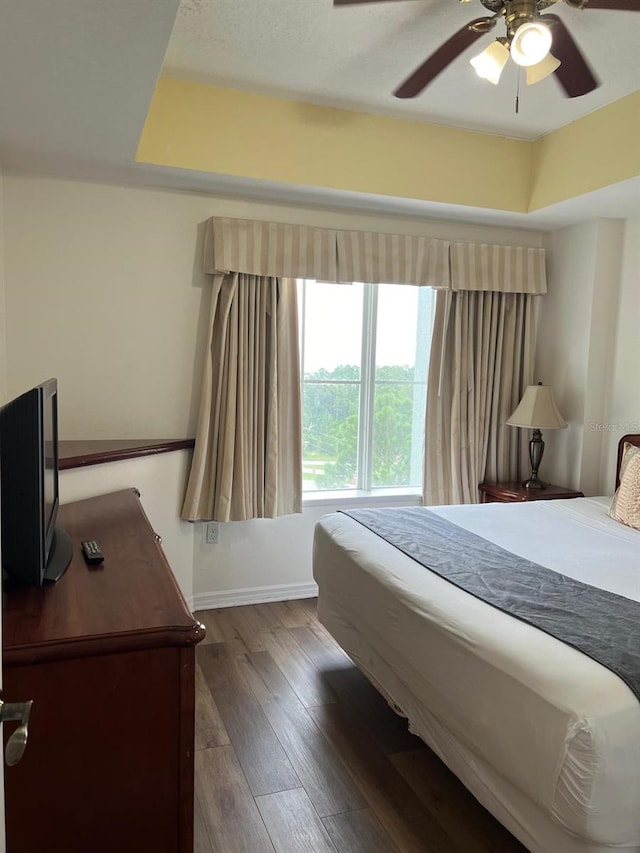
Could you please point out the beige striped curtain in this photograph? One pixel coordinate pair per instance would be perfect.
(270, 248)
(247, 461)
(298, 251)
(392, 258)
(481, 361)
(482, 353)
(501, 269)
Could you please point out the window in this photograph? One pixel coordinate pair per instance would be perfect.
(365, 353)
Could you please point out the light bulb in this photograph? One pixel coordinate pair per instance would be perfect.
(531, 43)
(490, 62)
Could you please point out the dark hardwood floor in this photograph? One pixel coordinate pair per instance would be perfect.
(295, 751)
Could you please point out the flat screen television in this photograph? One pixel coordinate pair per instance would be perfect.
(34, 549)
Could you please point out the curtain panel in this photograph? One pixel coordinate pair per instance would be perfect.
(482, 356)
(247, 461)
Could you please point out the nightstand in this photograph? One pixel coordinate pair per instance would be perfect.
(515, 492)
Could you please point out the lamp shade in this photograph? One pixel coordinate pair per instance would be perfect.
(491, 61)
(536, 73)
(537, 410)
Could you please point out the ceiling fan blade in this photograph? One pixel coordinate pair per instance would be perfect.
(438, 61)
(619, 5)
(574, 74)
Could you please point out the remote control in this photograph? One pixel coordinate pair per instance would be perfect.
(91, 552)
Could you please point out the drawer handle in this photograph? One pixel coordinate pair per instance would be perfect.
(17, 743)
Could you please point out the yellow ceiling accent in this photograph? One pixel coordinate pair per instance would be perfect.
(226, 131)
(596, 151)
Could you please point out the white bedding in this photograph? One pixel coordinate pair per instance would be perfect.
(540, 719)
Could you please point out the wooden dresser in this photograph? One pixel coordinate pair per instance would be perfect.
(108, 656)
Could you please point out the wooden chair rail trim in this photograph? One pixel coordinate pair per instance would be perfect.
(78, 454)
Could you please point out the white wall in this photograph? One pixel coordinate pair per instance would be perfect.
(261, 560)
(161, 481)
(623, 405)
(104, 291)
(562, 348)
(600, 370)
(585, 332)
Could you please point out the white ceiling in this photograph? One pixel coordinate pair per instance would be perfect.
(356, 56)
(77, 78)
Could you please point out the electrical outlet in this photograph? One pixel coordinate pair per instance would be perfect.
(212, 533)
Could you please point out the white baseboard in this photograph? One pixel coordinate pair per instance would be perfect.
(253, 595)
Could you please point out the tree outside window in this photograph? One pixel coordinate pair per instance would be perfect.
(365, 351)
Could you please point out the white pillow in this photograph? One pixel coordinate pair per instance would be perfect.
(625, 505)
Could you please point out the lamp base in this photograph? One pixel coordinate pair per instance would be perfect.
(536, 449)
(534, 483)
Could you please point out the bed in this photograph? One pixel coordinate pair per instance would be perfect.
(545, 737)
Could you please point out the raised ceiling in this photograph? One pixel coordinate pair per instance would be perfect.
(356, 56)
(77, 78)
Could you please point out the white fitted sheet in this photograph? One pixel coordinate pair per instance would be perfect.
(557, 727)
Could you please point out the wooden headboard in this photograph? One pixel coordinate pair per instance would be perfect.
(630, 438)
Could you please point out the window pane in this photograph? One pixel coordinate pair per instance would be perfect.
(403, 340)
(334, 442)
(403, 333)
(332, 327)
(398, 428)
(330, 435)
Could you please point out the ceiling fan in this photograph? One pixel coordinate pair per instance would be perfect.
(529, 38)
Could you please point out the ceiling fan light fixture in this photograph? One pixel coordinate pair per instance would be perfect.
(536, 73)
(531, 43)
(489, 64)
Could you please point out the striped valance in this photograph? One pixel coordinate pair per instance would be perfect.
(299, 251)
(392, 258)
(503, 269)
(270, 249)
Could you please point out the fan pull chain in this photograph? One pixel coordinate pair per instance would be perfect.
(518, 90)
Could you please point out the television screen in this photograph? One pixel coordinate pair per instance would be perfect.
(50, 437)
(33, 548)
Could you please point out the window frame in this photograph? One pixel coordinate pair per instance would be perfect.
(365, 493)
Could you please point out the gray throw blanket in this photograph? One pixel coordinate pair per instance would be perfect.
(601, 624)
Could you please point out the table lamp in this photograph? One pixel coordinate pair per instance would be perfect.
(537, 411)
